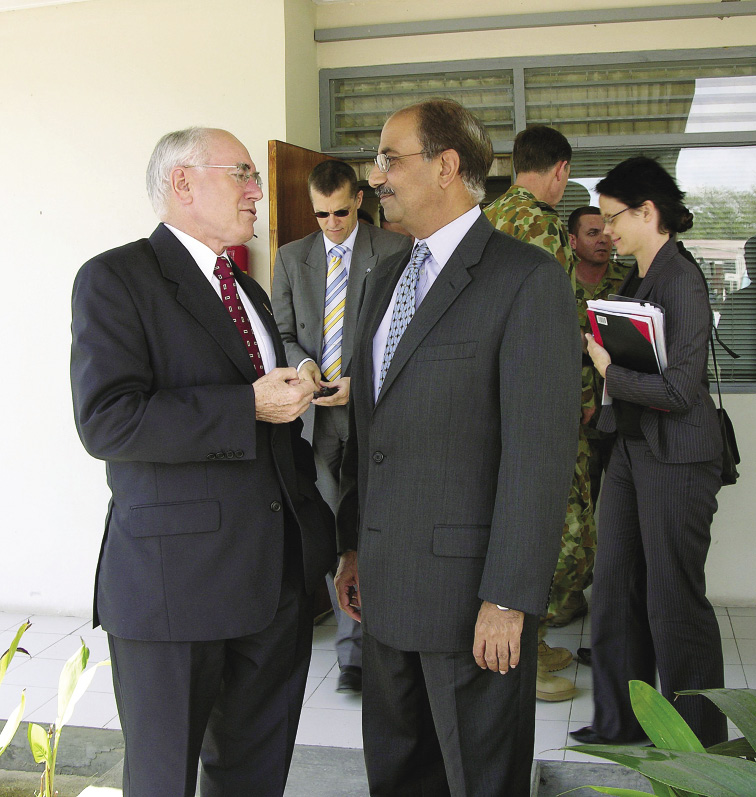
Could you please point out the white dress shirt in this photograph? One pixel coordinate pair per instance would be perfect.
(442, 244)
(205, 259)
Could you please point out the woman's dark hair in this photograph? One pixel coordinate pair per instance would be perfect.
(636, 180)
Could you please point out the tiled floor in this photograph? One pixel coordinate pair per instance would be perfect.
(328, 718)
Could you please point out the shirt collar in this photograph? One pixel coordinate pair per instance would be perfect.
(443, 242)
(202, 254)
(348, 244)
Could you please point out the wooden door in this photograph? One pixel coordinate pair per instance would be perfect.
(290, 208)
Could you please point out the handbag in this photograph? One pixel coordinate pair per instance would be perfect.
(730, 453)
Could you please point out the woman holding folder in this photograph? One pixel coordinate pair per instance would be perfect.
(659, 497)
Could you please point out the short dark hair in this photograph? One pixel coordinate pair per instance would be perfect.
(539, 148)
(330, 176)
(577, 214)
(445, 124)
(640, 179)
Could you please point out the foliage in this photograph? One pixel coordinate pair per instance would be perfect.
(12, 723)
(722, 214)
(74, 681)
(678, 765)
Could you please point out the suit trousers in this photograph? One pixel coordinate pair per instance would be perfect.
(235, 702)
(649, 600)
(436, 724)
(330, 428)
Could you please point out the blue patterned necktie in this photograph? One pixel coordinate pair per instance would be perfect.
(404, 309)
(333, 315)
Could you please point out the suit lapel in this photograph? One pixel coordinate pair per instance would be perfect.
(363, 261)
(452, 280)
(196, 295)
(313, 277)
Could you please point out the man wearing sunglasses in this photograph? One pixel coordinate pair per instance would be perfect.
(317, 287)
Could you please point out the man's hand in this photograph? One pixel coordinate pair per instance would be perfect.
(599, 355)
(309, 372)
(339, 398)
(347, 583)
(280, 397)
(497, 638)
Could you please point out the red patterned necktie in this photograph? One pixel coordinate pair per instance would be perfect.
(233, 303)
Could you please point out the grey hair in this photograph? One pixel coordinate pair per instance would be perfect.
(179, 148)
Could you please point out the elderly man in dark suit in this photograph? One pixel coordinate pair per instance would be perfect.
(462, 441)
(215, 532)
(317, 289)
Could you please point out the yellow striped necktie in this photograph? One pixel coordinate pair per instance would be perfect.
(333, 316)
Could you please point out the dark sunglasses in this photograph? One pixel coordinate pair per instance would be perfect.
(324, 214)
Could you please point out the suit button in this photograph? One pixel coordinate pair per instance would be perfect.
(301, 325)
(239, 454)
(220, 455)
(230, 455)
(275, 506)
(378, 457)
(210, 456)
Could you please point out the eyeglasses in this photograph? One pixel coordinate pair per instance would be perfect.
(324, 214)
(383, 161)
(610, 219)
(242, 172)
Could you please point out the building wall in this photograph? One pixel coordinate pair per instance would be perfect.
(86, 89)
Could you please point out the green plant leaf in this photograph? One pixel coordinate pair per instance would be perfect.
(82, 684)
(738, 704)
(618, 792)
(662, 724)
(5, 659)
(12, 723)
(38, 742)
(700, 773)
(735, 747)
(69, 677)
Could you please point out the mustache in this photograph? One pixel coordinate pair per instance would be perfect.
(383, 191)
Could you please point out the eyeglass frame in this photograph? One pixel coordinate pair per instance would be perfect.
(386, 160)
(341, 213)
(242, 175)
(609, 219)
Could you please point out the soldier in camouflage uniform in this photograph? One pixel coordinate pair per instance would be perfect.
(597, 276)
(541, 159)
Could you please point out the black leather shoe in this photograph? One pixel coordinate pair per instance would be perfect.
(588, 736)
(350, 680)
(584, 656)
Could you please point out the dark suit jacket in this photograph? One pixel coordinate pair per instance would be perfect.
(455, 483)
(299, 283)
(688, 431)
(162, 388)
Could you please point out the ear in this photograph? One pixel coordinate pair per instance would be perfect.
(562, 170)
(648, 211)
(181, 186)
(449, 167)
(359, 199)
(573, 241)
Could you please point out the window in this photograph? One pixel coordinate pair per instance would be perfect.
(694, 110)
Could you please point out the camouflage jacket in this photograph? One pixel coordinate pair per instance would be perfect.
(610, 283)
(521, 215)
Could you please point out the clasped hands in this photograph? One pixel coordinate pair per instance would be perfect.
(283, 394)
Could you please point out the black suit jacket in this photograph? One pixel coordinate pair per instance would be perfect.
(162, 388)
(455, 482)
(679, 421)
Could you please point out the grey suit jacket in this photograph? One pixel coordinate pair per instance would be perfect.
(162, 388)
(455, 482)
(680, 421)
(299, 283)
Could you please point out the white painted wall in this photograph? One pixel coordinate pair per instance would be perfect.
(86, 89)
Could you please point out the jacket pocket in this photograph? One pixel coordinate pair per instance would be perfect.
(177, 517)
(464, 541)
(450, 351)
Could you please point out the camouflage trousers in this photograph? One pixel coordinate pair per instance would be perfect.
(574, 571)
